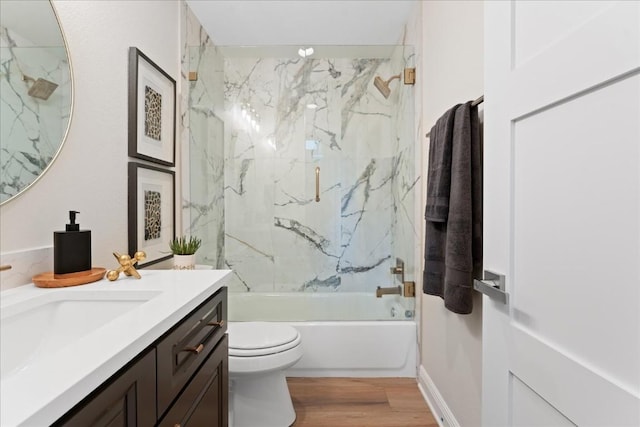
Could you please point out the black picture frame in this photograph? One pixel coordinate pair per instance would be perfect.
(152, 111)
(151, 211)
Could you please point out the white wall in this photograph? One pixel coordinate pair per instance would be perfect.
(90, 174)
(451, 344)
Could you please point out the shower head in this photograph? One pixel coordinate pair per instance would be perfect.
(383, 85)
(41, 88)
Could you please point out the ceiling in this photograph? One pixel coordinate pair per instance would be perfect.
(303, 22)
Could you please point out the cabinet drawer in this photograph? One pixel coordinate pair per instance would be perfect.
(204, 401)
(181, 352)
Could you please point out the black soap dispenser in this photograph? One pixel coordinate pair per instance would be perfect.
(71, 248)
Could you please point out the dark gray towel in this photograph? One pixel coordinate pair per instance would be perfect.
(477, 173)
(453, 250)
(439, 172)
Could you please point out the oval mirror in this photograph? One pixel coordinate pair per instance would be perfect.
(35, 93)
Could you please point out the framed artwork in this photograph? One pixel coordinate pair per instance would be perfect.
(151, 211)
(152, 111)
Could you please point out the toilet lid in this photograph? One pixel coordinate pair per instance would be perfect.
(260, 338)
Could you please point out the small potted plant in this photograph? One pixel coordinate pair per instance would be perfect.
(184, 249)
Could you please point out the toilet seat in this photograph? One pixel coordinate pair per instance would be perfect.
(262, 347)
(252, 339)
(254, 352)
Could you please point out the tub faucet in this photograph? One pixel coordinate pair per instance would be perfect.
(394, 290)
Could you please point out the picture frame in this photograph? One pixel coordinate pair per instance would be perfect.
(151, 211)
(152, 111)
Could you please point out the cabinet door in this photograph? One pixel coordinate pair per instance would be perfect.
(182, 351)
(204, 403)
(128, 399)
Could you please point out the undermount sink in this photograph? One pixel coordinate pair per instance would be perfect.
(38, 326)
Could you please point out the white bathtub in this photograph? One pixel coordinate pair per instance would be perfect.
(335, 343)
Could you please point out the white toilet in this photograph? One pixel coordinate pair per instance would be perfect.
(259, 352)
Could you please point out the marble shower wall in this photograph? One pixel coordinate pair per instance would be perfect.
(202, 147)
(277, 237)
(32, 129)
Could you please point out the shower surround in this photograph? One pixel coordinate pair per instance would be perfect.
(321, 112)
(249, 189)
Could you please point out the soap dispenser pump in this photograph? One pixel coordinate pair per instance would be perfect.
(71, 248)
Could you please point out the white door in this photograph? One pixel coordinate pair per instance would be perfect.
(562, 213)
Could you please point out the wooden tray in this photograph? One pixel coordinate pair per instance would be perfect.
(49, 280)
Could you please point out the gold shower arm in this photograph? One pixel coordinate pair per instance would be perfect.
(392, 78)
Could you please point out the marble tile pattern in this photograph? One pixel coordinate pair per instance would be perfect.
(250, 193)
(24, 265)
(201, 140)
(32, 129)
(277, 237)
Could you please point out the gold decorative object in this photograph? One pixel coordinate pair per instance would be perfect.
(126, 265)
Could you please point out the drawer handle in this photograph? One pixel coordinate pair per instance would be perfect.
(195, 350)
(220, 323)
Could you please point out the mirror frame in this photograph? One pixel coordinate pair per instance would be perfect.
(71, 108)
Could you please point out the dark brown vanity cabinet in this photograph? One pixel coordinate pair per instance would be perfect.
(204, 401)
(192, 368)
(181, 380)
(127, 399)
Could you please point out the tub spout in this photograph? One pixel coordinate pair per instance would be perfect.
(394, 290)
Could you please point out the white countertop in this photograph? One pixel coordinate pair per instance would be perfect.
(41, 392)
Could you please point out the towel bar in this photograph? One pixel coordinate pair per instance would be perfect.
(495, 289)
(474, 103)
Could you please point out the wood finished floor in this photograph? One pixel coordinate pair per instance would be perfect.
(359, 402)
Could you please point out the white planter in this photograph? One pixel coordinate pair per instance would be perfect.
(184, 262)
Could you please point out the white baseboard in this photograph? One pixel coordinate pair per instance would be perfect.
(436, 402)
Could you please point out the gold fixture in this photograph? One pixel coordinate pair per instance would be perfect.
(220, 323)
(398, 269)
(196, 350)
(409, 76)
(126, 265)
(383, 85)
(5, 267)
(393, 290)
(317, 183)
(409, 289)
(40, 88)
(193, 76)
